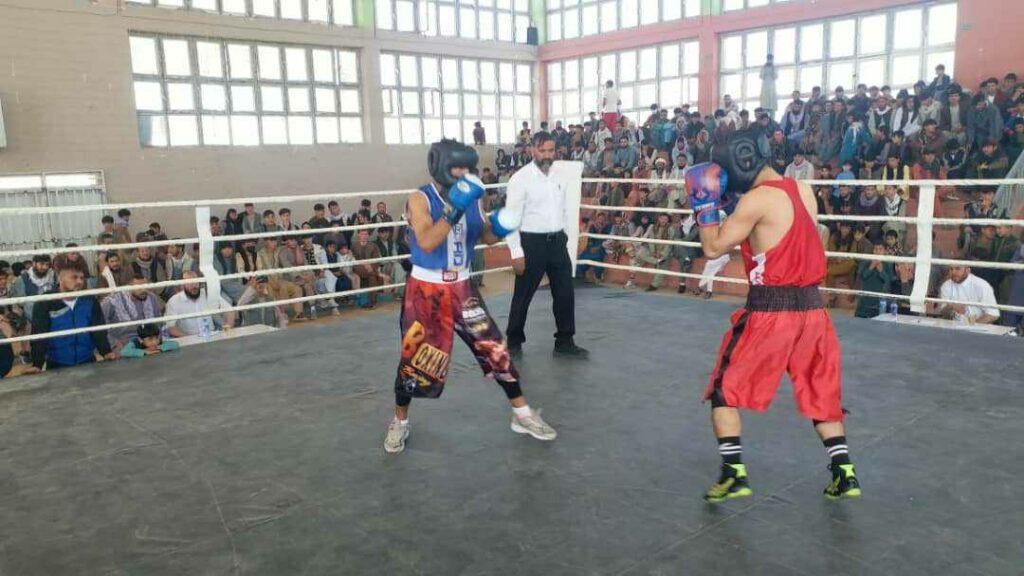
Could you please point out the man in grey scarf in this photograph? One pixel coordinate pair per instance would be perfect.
(126, 307)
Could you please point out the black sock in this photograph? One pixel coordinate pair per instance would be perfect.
(837, 450)
(730, 449)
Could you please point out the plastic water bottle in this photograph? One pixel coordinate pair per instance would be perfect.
(883, 306)
(894, 308)
(205, 332)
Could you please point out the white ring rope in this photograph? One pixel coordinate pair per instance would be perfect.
(213, 312)
(729, 280)
(936, 183)
(26, 210)
(203, 280)
(836, 255)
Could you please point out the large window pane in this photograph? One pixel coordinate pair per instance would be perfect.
(216, 131)
(648, 63)
(873, 33)
(245, 131)
(812, 42)
(240, 61)
(942, 24)
(842, 41)
(784, 45)
(909, 28)
(148, 96)
(295, 60)
(906, 70)
(732, 52)
(323, 66)
(269, 58)
(183, 130)
(757, 48)
(609, 16)
(629, 13)
(670, 60)
(243, 99)
(143, 51)
(177, 61)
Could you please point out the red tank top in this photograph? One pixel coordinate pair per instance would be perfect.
(798, 259)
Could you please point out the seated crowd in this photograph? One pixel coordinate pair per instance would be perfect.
(937, 130)
(254, 261)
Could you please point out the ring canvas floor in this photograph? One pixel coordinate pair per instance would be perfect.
(264, 455)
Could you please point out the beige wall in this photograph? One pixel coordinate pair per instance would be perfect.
(65, 82)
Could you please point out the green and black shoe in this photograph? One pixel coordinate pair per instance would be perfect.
(844, 482)
(731, 484)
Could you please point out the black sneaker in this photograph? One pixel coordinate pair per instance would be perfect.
(732, 483)
(571, 350)
(844, 482)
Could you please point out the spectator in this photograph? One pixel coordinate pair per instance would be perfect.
(903, 279)
(895, 207)
(941, 84)
(345, 278)
(880, 119)
(594, 250)
(150, 267)
(867, 170)
(929, 108)
(860, 102)
(115, 273)
(868, 203)
(215, 227)
(369, 274)
(269, 222)
(318, 222)
(895, 169)
(928, 139)
(315, 255)
(906, 118)
(616, 249)
(177, 262)
(8, 368)
(602, 136)
(140, 304)
(194, 298)
(66, 314)
(996, 244)
(779, 151)
(659, 196)
(388, 247)
(251, 220)
(989, 163)
(875, 276)
(841, 269)
(928, 167)
(245, 258)
(121, 223)
(1015, 294)
(963, 286)
(984, 123)
(148, 342)
(336, 218)
(37, 279)
(285, 215)
(382, 216)
(224, 262)
(954, 160)
(268, 259)
(232, 223)
(610, 103)
(72, 260)
(856, 140)
(291, 256)
(479, 137)
(954, 117)
(833, 128)
(107, 221)
(258, 292)
(1014, 140)
(655, 255)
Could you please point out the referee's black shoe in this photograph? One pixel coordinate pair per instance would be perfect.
(569, 349)
(515, 351)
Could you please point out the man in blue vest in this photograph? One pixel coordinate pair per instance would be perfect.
(66, 314)
(446, 221)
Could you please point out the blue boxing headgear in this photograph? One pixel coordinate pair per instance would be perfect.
(741, 158)
(448, 154)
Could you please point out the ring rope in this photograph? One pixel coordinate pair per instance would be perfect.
(25, 210)
(936, 183)
(165, 319)
(854, 292)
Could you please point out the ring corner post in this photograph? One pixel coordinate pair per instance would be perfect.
(206, 249)
(569, 176)
(923, 256)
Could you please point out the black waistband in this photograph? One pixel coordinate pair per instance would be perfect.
(784, 299)
(549, 236)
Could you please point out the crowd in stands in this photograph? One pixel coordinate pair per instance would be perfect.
(936, 130)
(255, 259)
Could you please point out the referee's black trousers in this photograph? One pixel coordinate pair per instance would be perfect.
(545, 254)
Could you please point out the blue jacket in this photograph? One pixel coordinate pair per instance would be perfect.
(54, 315)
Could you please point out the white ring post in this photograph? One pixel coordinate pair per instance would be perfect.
(923, 262)
(206, 256)
(569, 176)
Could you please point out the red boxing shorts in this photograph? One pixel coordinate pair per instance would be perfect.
(431, 314)
(774, 336)
(611, 120)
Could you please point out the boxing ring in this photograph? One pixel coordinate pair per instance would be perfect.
(263, 455)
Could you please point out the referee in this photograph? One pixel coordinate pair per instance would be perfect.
(539, 248)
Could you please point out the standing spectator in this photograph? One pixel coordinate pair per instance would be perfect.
(369, 274)
(983, 123)
(194, 298)
(962, 286)
(224, 263)
(479, 137)
(232, 223)
(941, 84)
(37, 279)
(269, 259)
(251, 220)
(66, 314)
(139, 304)
(115, 273)
(769, 97)
(875, 276)
(610, 103)
(833, 128)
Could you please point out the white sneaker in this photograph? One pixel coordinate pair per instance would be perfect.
(534, 426)
(394, 441)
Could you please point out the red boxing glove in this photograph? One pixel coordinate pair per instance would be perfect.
(706, 185)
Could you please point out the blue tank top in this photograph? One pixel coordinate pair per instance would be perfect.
(455, 254)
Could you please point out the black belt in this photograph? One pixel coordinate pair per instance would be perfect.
(546, 236)
(784, 298)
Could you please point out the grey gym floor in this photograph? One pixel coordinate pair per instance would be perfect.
(263, 456)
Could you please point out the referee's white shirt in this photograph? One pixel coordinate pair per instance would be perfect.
(539, 199)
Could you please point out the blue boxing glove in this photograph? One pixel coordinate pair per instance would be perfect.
(462, 195)
(503, 222)
(706, 184)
